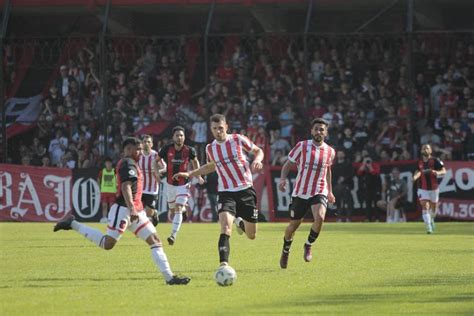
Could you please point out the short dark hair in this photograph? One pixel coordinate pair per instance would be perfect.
(131, 141)
(146, 136)
(217, 118)
(108, 159)
(319, 120)
(177, 129)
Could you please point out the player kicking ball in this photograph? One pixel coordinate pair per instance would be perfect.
(127, 213)
(312, 190)
(237, 198)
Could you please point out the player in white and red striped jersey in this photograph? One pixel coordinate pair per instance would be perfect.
(227, 154)
(313, 190)
(149, 164)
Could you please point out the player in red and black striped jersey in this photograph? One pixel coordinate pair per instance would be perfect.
(429, 169)
(178, 156)
(127, 213)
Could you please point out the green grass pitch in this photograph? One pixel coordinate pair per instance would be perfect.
(370, 268)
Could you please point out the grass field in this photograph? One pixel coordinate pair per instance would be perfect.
(374, 268)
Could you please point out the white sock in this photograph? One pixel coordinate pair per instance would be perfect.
(427, 218)
(433, 212)
(161, 261)
(90, 233)
(177, 220)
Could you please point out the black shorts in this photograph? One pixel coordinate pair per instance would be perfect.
(299, 207)
(149, 200)
(240, 204)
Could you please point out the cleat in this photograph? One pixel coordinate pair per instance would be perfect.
(171, 240)
(64, 224)
(239, 229)
(154, 219)
(178, 280)
(284, 259)
(307, 253)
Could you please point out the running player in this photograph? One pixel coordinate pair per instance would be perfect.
(127, 213)
(178, 156)
(150, 164)
(313, 189)
(237, 198)
(429, 169)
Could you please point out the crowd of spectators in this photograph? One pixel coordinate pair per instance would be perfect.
(361, 85)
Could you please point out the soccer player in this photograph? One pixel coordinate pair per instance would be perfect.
(150, 164)
(108, 188)
(313, 189)
(237, 198)
(127, 213)
(429, 168)
(178, 156)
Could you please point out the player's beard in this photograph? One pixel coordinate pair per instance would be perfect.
(318, 139)
(425, 154)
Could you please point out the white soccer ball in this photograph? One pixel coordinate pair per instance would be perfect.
(225, 275)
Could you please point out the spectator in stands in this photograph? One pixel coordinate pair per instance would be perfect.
(342, 178)
(278, 143)
(63, 82)
(368, 173)
(394, 193)
(57, 147)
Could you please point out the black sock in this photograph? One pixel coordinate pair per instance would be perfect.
(224, 248)
(312, 236)
(287, 244)
(242, 225)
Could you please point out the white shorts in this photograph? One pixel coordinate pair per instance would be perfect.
(428, 195)
(178, 194)
(119, 221)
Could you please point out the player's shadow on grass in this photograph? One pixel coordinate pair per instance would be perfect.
(430, 281)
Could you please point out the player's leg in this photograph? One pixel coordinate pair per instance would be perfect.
(226, 219)
(181, 199)
(297, 210)
(144, 229)
(246, 217)
(149, 202)
(117, 223)
(434, 207)
(318, 208)
(424, 197)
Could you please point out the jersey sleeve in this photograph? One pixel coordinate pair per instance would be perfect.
(128, 171)
(295, 153)
(333, 156)
(192, 153)
(438, 164)
(247, 144)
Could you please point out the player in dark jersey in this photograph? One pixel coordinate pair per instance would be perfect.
(127, 213)
(429, 169)
(177, 157)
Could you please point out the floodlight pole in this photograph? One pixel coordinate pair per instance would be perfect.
(206, 48)
(3, 32)
(376, 16)
(309, 13)
(104, 76)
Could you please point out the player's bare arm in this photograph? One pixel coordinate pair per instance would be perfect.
(284, 174)
(417, 175)
(440, 173)
(257, 162)
(202, 171)
(331, 197)
(126, 188)
(196, 165)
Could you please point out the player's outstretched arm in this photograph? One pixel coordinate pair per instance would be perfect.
(196, 165)
(284, 174)
(202, 171)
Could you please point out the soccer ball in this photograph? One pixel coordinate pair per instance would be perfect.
(225, 275)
